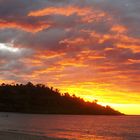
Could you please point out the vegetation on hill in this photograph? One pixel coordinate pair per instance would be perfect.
(39, 98)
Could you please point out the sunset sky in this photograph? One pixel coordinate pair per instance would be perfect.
(87, 47)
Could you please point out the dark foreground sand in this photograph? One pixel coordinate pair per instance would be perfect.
(19, 136)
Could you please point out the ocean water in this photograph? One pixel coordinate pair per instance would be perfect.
(73, 127)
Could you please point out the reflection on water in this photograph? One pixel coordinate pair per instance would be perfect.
(73, 127)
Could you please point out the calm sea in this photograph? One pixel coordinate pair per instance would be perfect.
(73, 127)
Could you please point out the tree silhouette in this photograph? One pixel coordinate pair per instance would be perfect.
(30, 98)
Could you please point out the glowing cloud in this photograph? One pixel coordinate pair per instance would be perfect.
(91, 48)
(66, 11)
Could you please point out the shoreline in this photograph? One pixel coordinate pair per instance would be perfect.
(5, 135)
(66, 114)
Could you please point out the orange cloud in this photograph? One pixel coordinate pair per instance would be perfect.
(72, 63)
(134, 48)
(49, 54)
(66, 11)
(96, 16)
(24, 26)
(119, 29)
(129, 42)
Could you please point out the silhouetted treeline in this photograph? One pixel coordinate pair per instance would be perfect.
(39, 98)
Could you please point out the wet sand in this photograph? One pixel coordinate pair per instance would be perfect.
(19, 136)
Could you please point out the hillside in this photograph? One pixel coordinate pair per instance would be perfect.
(38, 98)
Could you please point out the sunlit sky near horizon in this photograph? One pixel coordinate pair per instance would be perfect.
(87, 47)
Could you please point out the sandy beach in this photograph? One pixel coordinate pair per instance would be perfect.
(19, 136)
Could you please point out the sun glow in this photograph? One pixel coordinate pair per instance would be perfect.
(104, 98)
(129, 109)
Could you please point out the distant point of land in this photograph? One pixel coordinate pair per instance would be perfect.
(40, 99)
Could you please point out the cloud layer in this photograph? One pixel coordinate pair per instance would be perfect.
(91, 43)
